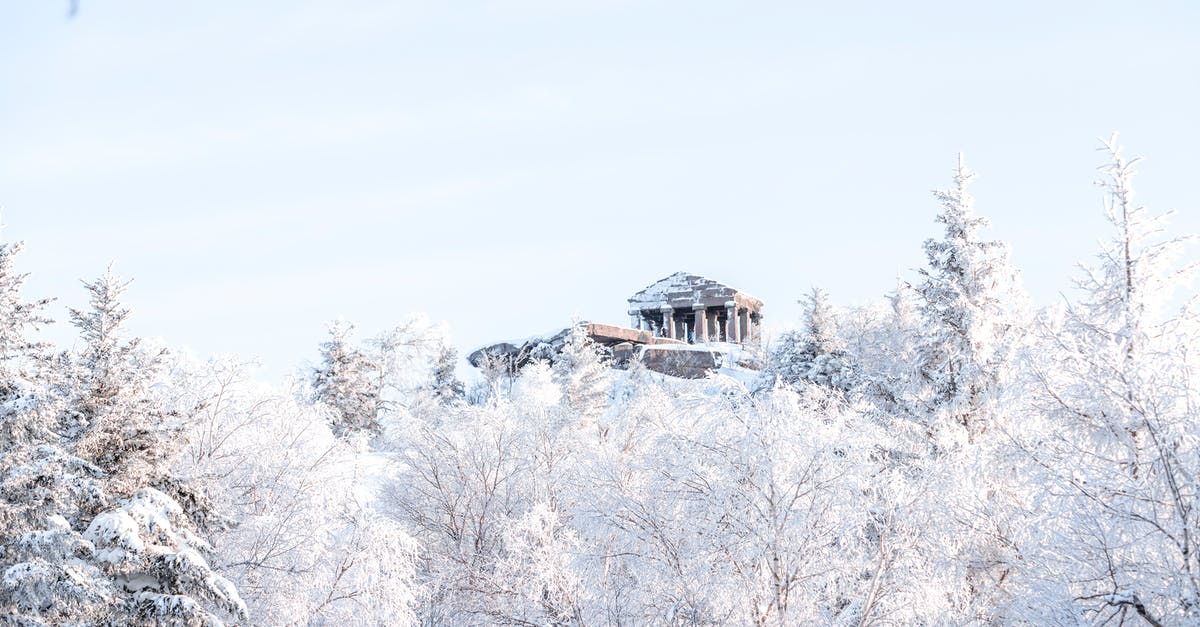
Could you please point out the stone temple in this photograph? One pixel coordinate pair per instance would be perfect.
(674, 323)
(694, 309)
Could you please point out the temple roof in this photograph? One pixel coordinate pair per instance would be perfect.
(683, 290)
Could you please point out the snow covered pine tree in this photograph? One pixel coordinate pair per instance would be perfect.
(580, 369)
(815, 354)
(348, 382)
(968, 297)
(95, 532)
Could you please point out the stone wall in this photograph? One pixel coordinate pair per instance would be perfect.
(685, 364)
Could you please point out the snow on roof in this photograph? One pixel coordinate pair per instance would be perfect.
(682, 290)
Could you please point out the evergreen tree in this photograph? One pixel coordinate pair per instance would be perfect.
(109, 410)
(970, 307)
(39, 481)
(815, 354)
(22, 418)
(348, 382)
(95, 532)
(580, 369)
(445, 385)
(104, 363)
(968, 294)
(18, 319)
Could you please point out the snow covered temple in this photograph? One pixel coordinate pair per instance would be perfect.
(696, 310)
(678, 326)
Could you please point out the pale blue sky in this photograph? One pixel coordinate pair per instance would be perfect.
(260, 168)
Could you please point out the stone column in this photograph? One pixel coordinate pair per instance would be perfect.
(747, 328)
(668, 321)
(635, 320)
(733, 332)
(701, 322)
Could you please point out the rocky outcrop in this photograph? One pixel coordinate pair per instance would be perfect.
(514, 355)
(689, 363)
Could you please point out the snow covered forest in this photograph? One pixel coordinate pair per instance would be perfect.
(950, 454)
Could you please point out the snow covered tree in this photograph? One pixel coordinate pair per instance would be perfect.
(109, 408)
(366, 574)
(41, 574)
(105, 362)
(969, 301)
(815, 354)
(307, 548)
(487, 491)
(463, 482)
(971, 312)
(715, 509)
(46, 568)
(148, 544)
(1114, 429)
(580, 369)
(349, 382)
(18, 319)
(23, 417)
(788, 361)
(536, 392)
(882, 341)
(95, 530)
(157, 563)
(407, 356)
(445, 385)
(537, 566)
